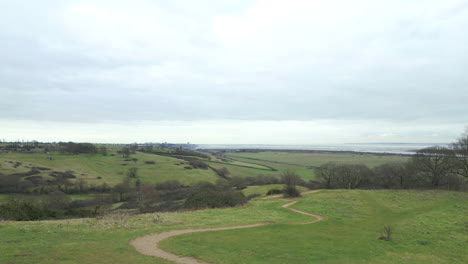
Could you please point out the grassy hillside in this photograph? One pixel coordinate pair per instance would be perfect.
(90, 241)
(110, 169)
(430, 227)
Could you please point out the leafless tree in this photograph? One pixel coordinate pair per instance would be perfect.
(327, 173)
(435, 163)
(460, 153)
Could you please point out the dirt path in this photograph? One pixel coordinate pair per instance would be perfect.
(148, 245)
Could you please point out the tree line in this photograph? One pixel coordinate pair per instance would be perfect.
(433, 167)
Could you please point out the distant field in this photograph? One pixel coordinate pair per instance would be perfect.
(317, 159)
(242, 171)
(429, 227)
(111, 169)
(300, 163)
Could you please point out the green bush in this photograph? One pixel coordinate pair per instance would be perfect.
(25, 210)
(274, 191)
(211, 197)
(291, 191)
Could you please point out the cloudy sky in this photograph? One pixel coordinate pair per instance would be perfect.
(234, 71)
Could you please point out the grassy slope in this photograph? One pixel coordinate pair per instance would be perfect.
(430, 227)
(105, 241)
(109, 168)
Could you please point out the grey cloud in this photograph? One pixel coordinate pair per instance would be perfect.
(409, 68)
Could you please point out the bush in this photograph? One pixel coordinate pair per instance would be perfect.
(19, 209)
(274, 191)
(79, 212)
(168, 206)
(222, 172)
(198, 164)
(208, 196)
(291, 191)
(169, 185)
(387, 233)
(253, 195)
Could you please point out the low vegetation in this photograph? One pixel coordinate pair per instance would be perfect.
(425, 227)
(121, 192)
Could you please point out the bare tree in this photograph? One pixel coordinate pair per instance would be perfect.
(125, 152)
(122, 189)
(327, 173)
(391, 175)
(435, 163)
(291, 179)
(460, 153)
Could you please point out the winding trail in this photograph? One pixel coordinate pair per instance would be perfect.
(148, 245)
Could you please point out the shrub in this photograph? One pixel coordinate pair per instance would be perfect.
(291, 191)
(132, 172)
(274, 191)
(19, 209)
(222, 172)
(169, 185)
(387, 233)
(208, 196)
(198, 164)
(253, 195)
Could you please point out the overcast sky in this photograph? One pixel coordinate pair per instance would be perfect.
(233, 71)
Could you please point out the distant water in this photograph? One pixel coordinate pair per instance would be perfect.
(393, 148)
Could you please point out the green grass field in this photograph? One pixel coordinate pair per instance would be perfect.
(111, 169)
(317, 159)
(298, 162)
(430, 227)
(90, 241)
(305, 173)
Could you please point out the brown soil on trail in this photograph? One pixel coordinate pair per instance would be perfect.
(148, 245)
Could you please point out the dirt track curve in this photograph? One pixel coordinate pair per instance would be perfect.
(148, 245)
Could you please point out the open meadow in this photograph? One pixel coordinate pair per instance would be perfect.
(423, 226)
(112, 169)
(429, 227)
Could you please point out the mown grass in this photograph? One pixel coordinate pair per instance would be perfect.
(430, 227)
(110, 169)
